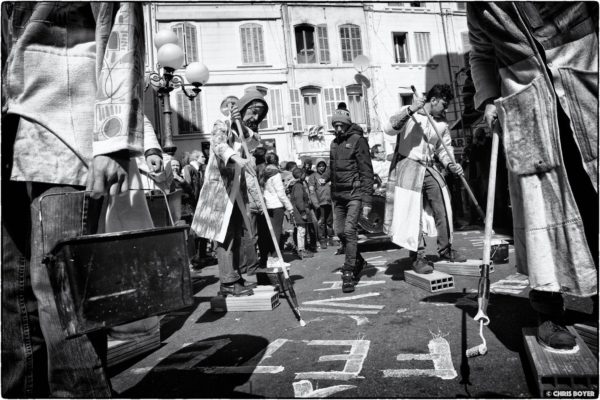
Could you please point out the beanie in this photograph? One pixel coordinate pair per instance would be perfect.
(342, 116)
(248, 97)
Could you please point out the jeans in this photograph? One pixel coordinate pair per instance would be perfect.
(432, 193)
(346, 223)
(228, 252)
(326, 222)
(38, 359)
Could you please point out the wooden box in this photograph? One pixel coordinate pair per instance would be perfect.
(110, 279)
(467, 268)
(265, 298)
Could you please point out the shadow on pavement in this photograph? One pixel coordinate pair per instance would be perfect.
(396, 268)
(187, 373)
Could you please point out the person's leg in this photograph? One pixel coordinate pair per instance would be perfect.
(339, 221)
(353, 210)
(322, 227)
(264, 239)
(551, 331)
(276, 215)
(228, 273)
(75, 366)
(23, 348)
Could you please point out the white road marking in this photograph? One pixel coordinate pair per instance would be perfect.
(337, 285)
(372, 258)
(360, 320)
(304, 389)
(439, 353)
(253, 365)
(354, 360)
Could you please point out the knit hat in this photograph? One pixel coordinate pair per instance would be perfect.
(321, 161)
(341, 115)
(248, 97)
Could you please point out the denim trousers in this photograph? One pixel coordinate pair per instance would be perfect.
(325, 222)
(432, 193)
(346, 227)
(229, 252)
(37, 358)
(276, 215)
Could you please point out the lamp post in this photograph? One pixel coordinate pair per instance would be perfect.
(170, 58)
(361, 64)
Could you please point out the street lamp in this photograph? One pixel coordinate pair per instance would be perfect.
(170, 58)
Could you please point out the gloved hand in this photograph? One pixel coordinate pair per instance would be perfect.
(235, 113)
(455, 169)
(490, 115)
(154, 163)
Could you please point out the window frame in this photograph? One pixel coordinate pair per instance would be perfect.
(247, 43)
(352, 92)
(350, 40)
(406, 48)
(190, 50)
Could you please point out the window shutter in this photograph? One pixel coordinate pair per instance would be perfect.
(182, 120)
(276, 107)
(189, 114)
(296, 110)
(423, 46)
(351, 42)
(323, 44)
(356, 42)
(332, 97)
(178, 29)
(466, 44)
(252, 44)
(345, 42)
(191, 43)
(244, 36)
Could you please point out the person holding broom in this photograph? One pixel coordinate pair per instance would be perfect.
(415, 189)
(221, 208)
(536, 74)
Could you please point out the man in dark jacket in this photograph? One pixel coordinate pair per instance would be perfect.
(351, 190)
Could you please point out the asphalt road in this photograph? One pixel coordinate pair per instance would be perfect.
(388, 339)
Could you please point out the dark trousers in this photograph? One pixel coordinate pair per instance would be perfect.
(346, 227)
(276, 215)
(432, 194)
(37, 358)
(326, 222)
(229, 252)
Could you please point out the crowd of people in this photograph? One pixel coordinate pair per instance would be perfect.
(72, 118)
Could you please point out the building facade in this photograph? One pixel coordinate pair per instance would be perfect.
(306, 58)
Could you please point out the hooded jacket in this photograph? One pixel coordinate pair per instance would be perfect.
(322, 192)
(351, 171)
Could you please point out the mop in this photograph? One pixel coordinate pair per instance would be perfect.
(226, 106)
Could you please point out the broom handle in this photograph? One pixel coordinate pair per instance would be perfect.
(262, 201)
(489, 212)
(462, 177)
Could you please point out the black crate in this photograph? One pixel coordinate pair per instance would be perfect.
(109, 279)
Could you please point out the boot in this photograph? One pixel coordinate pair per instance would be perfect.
(448, 254)
(360, 265)
(551, 332)
(420, 264)
(341, 250)
(235, 289)
(323, 244)
(347, 282)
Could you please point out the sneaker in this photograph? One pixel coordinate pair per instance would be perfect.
(341, 250)
(452, 255)
(555, 337)
(235, 289)
(323, 244)
(348, 282)
(421, 266)
(308, 254)
(332, 242)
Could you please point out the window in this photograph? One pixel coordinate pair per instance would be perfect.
(296, 110)
(423, 44)
(351, 43)
(309, 50)
(400, 47)
(310, 97)
(419, 4)
(332, 97)
(252, 44)
(274, 118)
(461, 6)
(356, 104)
(188, 40)
(406, 99)
(395, 4)
(189, 114)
